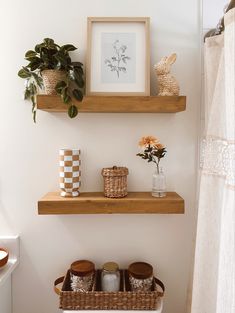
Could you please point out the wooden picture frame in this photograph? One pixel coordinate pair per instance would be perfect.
(118, 56)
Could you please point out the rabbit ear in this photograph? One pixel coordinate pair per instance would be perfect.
(172, 58)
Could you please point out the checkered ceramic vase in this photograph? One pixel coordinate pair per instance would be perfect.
(70, 172)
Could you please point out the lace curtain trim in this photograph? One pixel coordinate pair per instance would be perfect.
(218, 159)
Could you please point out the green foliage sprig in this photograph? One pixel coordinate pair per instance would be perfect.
(49, 55)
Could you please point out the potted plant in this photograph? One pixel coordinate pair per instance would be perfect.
(154, 151)
(50, 67)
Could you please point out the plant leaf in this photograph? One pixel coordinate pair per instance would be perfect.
(26, 94)
(66, 98)
(78, 70)
(77, 64)
(79, 82)
(34, 64)
(78, 77)
(38, 79)
(59, 86)
(78, 95)
(30, 54)
(63, 60)
(24, 74)
(72, 111)
(68, 47)
(48, 41)
(32, 88)
(38, 47)
(34, 115)
(33, 59)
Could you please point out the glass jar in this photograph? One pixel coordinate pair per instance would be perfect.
(82, 275)
(110, 277)
(140, 276)
(159, 183)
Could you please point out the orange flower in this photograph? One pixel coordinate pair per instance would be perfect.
(148, 140)
(159, 146)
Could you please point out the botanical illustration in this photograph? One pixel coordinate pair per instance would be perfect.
(118, 61)
(152, 150)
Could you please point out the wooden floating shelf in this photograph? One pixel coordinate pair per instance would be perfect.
(96, 203)
(115, 104)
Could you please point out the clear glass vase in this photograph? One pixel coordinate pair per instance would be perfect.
(159, 183)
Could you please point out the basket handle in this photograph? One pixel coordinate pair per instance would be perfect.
(56, 283)
(160, 283)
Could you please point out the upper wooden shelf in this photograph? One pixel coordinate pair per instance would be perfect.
(115, 104)
(96, 203)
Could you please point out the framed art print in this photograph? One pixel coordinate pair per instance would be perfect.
(118, 56)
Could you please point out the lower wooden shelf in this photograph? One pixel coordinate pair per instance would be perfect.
(96, 203)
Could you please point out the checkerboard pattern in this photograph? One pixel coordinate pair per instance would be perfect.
(70, 172)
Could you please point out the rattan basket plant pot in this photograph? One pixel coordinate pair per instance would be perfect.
(51, 78)
(115, 181)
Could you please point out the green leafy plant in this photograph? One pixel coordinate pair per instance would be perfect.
(49, 55)
(152, 150)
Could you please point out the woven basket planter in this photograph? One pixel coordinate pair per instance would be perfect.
(50, 80)
(115, 181)
(125, 299)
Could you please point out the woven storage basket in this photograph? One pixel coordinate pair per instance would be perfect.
(50, 80)
(115, 181)
(100, 300)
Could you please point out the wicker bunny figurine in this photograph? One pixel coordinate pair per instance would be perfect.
(167, 84)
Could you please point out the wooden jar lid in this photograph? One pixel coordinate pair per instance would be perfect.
(140, 270)
(115, 171)
(82, 268)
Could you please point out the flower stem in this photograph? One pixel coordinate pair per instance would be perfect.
(157, 163)
(157, 168)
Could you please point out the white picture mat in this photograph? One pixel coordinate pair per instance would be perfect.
(95, 66)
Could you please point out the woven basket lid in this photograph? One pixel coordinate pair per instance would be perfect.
(115, 171)
(82, 268)
(140, 270)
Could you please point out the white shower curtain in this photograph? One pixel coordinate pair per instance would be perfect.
(214, 268)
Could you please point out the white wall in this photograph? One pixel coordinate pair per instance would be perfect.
(29, 153)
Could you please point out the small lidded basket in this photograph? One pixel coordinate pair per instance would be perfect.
(115, 181)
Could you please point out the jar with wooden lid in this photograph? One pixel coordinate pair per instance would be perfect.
(140, 276)
(82, 275)
(110, 277)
